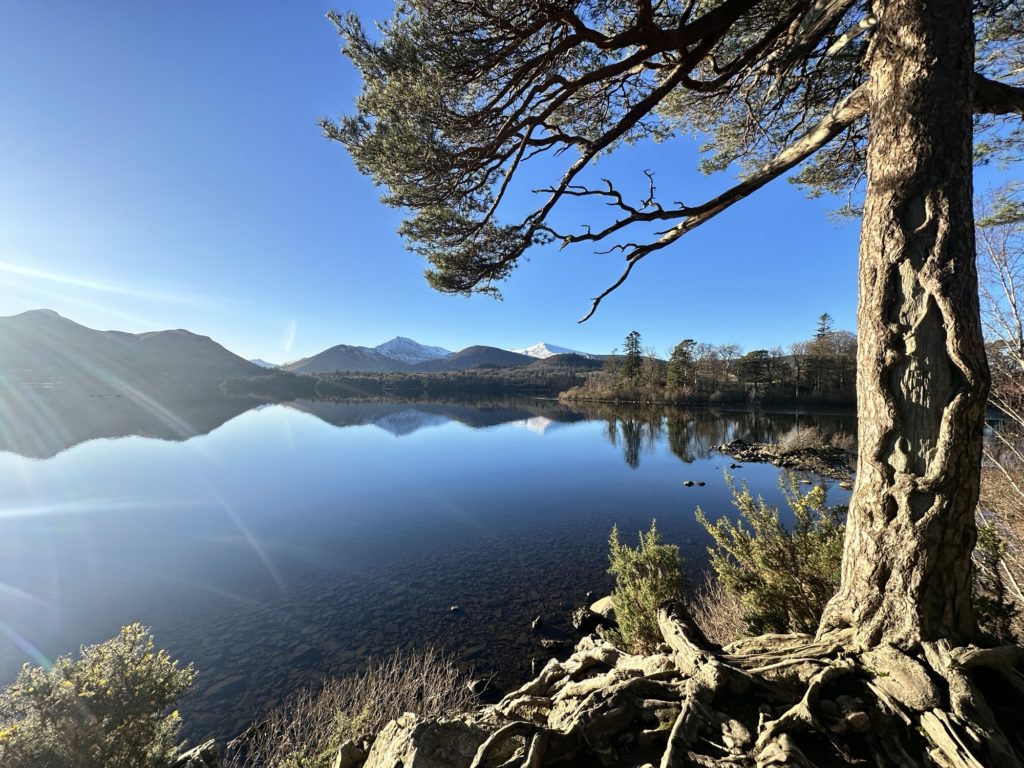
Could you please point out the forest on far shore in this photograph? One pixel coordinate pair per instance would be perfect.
(821, 369)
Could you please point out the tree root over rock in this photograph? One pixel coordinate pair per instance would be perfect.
(775, 700)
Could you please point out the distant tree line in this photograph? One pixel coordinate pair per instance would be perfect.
(538, 380)
(821, 368)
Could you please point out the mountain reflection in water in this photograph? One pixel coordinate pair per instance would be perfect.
(41, 424)
(275, 545)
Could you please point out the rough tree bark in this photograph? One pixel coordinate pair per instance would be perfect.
(922, 374)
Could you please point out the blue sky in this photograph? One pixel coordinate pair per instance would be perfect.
(161, 167)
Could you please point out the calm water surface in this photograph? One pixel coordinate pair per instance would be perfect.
(294, 541)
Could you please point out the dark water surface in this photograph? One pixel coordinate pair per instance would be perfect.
(294, 541)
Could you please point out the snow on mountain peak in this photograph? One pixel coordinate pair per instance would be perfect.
(409, 351)
(543, 350)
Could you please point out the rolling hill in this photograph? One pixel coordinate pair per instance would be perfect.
(63, 383)
(475, 357)
(346, 358)
(41, 349)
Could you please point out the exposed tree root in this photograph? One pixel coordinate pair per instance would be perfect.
(776, 700)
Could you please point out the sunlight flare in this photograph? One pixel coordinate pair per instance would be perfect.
(90, 284)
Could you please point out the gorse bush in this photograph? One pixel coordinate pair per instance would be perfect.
(308, 730)
(783, 576)
(108, 709)
(645, 577)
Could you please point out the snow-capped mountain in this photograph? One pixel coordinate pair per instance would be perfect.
(263, 363)
(409, 351)
(544, 350)
(538, 424)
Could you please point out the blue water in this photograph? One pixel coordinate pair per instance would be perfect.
(294, 541)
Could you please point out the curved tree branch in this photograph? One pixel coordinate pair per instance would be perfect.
(841, 117)
(994, 98)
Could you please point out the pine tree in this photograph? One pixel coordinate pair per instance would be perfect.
(680, 363)
(459, 94)
(632, 361)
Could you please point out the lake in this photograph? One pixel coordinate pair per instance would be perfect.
(285, 543)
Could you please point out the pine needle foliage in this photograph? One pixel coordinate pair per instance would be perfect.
(645, 576)
(783, 575)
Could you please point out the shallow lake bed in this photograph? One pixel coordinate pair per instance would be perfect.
(294, 541)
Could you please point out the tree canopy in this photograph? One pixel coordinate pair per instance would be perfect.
(459, 96)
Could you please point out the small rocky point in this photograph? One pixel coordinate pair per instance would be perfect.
(827, 461)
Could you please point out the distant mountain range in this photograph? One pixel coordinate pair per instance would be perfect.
(404, 354)
(64, 383)
(41, 348)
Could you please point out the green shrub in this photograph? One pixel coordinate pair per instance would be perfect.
(644, 578)
(108, 709)
(783, 576)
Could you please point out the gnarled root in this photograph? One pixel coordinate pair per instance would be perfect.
(767, 702)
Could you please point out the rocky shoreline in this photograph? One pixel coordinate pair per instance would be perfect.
(768, 702)
(828, 461)
(435, 744)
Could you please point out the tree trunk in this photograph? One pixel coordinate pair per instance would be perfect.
(922, 377)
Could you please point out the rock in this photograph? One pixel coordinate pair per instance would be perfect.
(204, 756)
(846, 485)
(554, 646)
(305, 657)
(585, 620)
(859, 722)
(413, 742)
(604, 607)
(350, 755)
(229, 686)
(701, 483)
(537, 623)
(688, 483)
(735, 735)
(477, 685)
